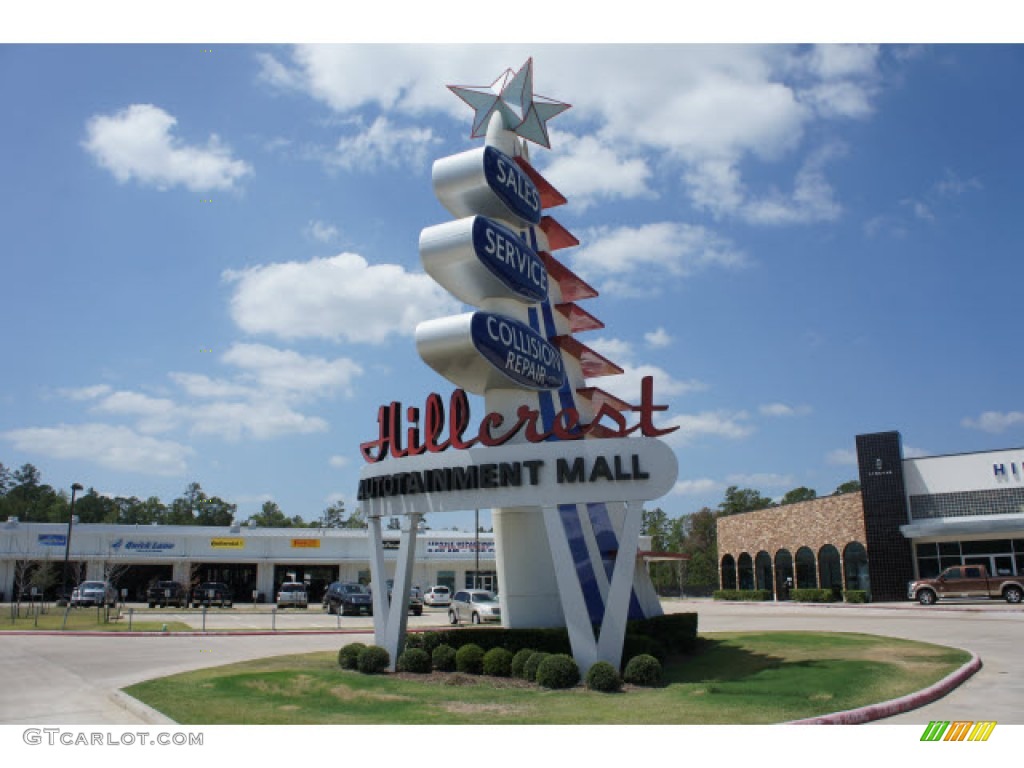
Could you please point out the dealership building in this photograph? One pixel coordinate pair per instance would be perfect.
(252, 561)
(912, 518)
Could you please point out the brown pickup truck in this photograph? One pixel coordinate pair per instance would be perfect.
(970, 582)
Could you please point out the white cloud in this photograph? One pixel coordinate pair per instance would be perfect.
(154, 414)
(573, 171)
(781, 409)
(200, 385)
(338, 461)
(658, 339)
(761, 480)
(649, 253)
(812, 198)
(382, 144)
(626, 386)
(261, 420)
(85, 393)
(842, 457)
(114, 447)
(732, 425)
(341, 297)
(696, 487)
(288, 372)
(952, 185)
(910, 452)
(321, 231)
(995, 421)
(137, 143)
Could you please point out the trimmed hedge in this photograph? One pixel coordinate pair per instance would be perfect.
(414, 660)
(373, 660)
(558, 670)
(469, 659)
(519, 662)
(812, 595)
(348, 654)
(530, 669)
(643, 670)
(603, 677)
(856, 595)
(498, 662)
(552, 640)
(637, 645)
(443, 658)
(676, 632)
(750, 595)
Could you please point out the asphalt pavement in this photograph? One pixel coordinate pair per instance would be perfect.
(75, 678)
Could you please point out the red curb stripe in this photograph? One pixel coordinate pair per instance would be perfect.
(900, 705)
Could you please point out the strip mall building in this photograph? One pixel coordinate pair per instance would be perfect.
(250, 560)
(912, 518)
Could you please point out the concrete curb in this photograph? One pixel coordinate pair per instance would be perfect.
(896, 706)
(142, 711)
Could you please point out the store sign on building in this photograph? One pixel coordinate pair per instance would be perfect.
(459, 547)
(52, 539)
(227, 543)
(144, 546)
(305, 543)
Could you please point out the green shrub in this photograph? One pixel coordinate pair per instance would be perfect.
(373, 660)
(414, 660)
(551, 640)
(497, 662)
(751, 595)
(558, 670)
(643, 670)
(676, 632)
(348, 655)
(637, 645)
(811, 595)
(603, 677)
(519, 662)
(469, 659)
(443, 658)
(856, 595)
(530, 668)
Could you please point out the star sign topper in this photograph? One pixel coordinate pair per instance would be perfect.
(512, 96)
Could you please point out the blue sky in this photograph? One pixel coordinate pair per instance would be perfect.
(211, 270)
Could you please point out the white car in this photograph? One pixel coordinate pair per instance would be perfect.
(292, 593)
(438, 595)
(94, 593)
(475, 606)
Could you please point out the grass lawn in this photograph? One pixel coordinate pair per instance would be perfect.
(738, 678)
(84, 620)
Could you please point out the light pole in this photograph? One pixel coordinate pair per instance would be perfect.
(75, 488)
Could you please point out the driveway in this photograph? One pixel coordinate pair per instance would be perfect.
(74, 679)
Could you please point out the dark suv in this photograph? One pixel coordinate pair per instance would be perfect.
(211, 593)
(347, 597)
(162, 593)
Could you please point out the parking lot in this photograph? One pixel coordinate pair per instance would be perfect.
(74, 678)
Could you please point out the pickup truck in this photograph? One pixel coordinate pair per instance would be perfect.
(970, 582)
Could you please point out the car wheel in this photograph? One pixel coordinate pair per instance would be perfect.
(453, 617)
(1012, 594)
(475, 618)
(926, 597)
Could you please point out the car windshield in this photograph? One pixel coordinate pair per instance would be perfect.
(483, 598)
(292, 588)
(92, 585)
(354, 589)
(441, 590)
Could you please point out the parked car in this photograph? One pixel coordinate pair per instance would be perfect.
(163, 593)
(415, 597)
(212, 593)
(474, 606)
(437, 595)
(970, 582)
(292, 593)
(346, 597)
(94, 593)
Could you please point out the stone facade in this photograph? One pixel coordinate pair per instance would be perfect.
(831, 520)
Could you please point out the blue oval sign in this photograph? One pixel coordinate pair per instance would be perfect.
(510, 259)
(512, 185)
(518, 351)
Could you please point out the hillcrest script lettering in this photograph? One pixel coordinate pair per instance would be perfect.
(398, 440)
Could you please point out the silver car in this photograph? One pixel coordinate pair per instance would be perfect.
(292, 593)
(437, 595)
(94, 593)
(474, 606)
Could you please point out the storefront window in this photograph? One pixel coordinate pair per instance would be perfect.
(783, 573)
(855, 558)
(746, 571)
(763, 570)
(806, 578)
(829, 573)
(728, 572)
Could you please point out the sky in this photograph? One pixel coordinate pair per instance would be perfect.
(211, 270)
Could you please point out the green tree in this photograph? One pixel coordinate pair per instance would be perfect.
(215, 511)
(271, 516)
(6, 480)
(739, 500)
(95, 508)
(850, 486)
(799, 494)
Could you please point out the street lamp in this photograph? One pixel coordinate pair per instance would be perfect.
(75, 488)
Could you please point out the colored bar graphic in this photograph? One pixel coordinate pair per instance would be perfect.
(935, 730)
(982, 730)
(958, 730)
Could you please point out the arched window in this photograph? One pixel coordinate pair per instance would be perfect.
(855, 560)
(829, 573)
(783, 573)
(763, 570)
(746, 571)
(806, 578)
(728, 572)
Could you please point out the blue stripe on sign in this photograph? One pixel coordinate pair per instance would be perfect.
(544, 398)
(581, 558)
(608, 546)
